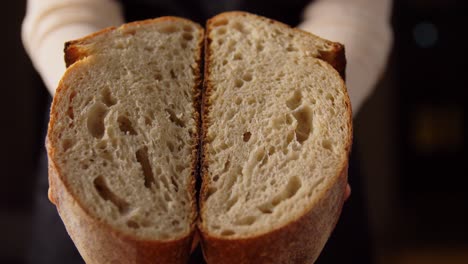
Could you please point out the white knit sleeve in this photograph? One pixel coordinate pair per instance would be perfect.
(48, 24)
(363, 26)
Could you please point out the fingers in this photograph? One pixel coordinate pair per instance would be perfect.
(347, 192)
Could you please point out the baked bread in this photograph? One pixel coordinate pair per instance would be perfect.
(124, 136)
(122, 142)
(276, 138)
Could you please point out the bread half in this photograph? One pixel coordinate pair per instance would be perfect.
(122, 142)
(276, 139)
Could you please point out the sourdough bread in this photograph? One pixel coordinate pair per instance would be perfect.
(276, 138)
(276, 133)
(122, 142)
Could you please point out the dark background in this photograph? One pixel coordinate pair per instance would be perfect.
(411, 137)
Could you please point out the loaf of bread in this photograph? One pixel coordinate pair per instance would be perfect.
(270, 133)
(276, 138)
(122, 142)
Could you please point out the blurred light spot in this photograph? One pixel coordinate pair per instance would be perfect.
(425, 34)
(437, 129)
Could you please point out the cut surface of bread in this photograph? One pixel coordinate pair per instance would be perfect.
(122, 141)
(276, 139)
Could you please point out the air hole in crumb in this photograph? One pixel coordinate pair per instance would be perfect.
(84, 166)
(210, 191)
(158, 76)
(260, 155)
(246, 136)
(183, 45)
(188, 28)
(168, 29)
(158, 170)
(95, 122)
(107, 97)
(264, 161)
(167, 197)
(107, 195)
(174, 118)
(230, 114)
(278, 32)
(238, 101)
(238, 83)
(304, 123)
(220, 42)
(216, 178)
(225, 62)
(266, 208)
(174, 183)
(70, 107)
(289, 119)
(173, 76)
(295, 100)
(330, 97)
(327, 144)
(148, 121)
(187, 36)
(271, 150)
(248, 220)
(179, 168)
(133, 224)
(293, 186)
(232, 45)
(142, 158)
(226, 165)
(67, 144)
(289, 137)
(227, 232)
(125, 125)
(215, 227)
(247, 77)
(238, 56)
(239, 27)
(291, 48)
(259, 47)
(175, 222)
(221, 31)
(231, 202)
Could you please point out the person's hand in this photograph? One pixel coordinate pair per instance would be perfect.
(347, 191)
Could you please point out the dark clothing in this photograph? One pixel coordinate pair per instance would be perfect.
(349, 242)
(199, 11)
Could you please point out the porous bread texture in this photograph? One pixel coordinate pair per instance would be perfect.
(123, 132)
(277, 126)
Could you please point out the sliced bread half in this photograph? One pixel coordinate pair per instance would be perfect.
(276, 138)
(122, 142)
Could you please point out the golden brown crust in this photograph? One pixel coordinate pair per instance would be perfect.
(300, 241)
(335, 57)
(99, 243)
(96, 240)
(74, 50)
